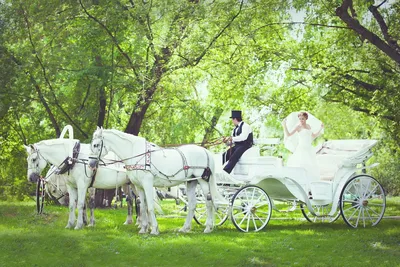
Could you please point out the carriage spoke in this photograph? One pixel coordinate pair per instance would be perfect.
(373, 211)
(350, 201)
(254, 223)
(248, 223)
(252, 195)
(372, 191)
(352, 207)
(358, 217)
(369, 215)
(261, 220)
(244, 218)
(366, 189)
(351, 216)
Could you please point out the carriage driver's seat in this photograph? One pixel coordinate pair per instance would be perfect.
(242, 167)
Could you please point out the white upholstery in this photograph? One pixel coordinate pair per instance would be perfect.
(328, 165)
(252, 164)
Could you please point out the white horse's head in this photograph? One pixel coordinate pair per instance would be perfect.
(97, 147)
(36, 163)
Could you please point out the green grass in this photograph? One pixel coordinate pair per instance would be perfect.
(27, 239)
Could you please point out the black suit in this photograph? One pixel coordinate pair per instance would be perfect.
(235, 152)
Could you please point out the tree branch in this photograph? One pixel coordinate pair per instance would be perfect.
(198, 59)
(384, 28)
(52, 118)
(354, 24)
(113, 38)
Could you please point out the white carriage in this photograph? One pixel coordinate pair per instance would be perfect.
(344, 187)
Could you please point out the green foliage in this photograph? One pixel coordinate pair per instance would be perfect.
(172, 71)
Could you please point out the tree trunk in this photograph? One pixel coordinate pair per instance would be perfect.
(47, 107)
(102, 97)
(210, 129)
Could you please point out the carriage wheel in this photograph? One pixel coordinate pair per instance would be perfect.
(322, 211)
(251, 209)
(221, 214)
(362, 201)
(40, 196)
(200, 214)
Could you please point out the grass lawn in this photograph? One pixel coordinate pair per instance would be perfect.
(27, 239)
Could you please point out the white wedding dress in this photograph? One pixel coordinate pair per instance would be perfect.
(304, 155)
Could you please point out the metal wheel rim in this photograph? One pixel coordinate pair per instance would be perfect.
(322, 210)
(362, 201)
(251, 209)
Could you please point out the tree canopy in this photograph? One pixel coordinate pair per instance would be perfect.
(171, 71)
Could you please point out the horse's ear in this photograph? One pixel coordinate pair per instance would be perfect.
(29, 148)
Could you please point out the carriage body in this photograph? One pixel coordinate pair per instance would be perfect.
(343, 189)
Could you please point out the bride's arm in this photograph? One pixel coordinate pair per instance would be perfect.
(315, 135)
(286, 130)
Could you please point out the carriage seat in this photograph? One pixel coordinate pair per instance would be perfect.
(329, 165)
(251, 163)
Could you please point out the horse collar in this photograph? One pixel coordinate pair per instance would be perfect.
(147, 160)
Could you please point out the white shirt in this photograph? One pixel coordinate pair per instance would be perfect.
(246, 130)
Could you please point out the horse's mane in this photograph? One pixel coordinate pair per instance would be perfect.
(126, 136)
(58, 141)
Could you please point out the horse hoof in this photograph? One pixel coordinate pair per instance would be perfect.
(78, 227)
(68, 226)
(155, 233)
(142, 231)
(128, 222)
(207, 231)
(184, 230)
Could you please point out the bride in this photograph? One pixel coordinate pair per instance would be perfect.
(299, 140)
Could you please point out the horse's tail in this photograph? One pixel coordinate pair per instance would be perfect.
(217, 198)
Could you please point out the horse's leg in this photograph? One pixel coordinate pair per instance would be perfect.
(82, 189)
(92, 205)
(147, 183)
(143, 217)
(209, 206)
(129, 201)
(137, 193)
(73, 195)
(85, 218)
(191, 206)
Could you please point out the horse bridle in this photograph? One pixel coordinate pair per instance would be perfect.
(98, 158)
(36, 160)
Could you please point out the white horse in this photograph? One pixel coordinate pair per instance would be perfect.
(57, 152)
(160, 167)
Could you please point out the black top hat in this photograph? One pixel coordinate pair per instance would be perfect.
(236, 114)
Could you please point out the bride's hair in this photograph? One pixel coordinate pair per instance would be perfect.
(304, 114)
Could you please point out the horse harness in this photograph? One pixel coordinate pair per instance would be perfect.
(148, 165)
(69, 163)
